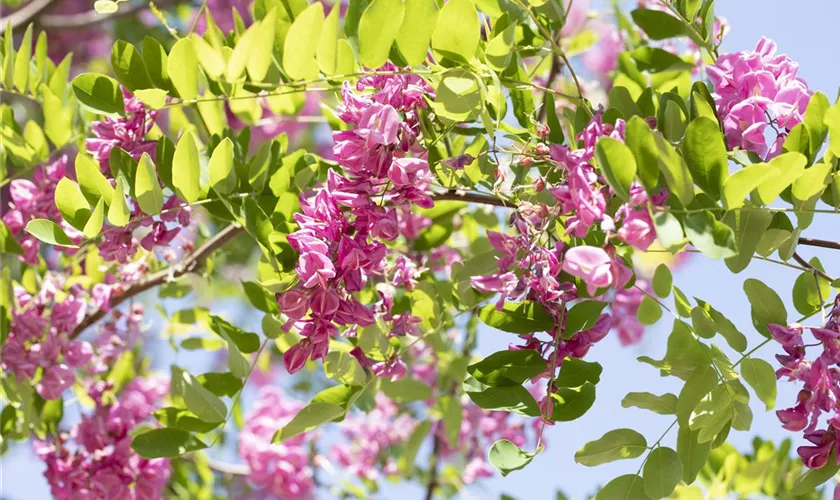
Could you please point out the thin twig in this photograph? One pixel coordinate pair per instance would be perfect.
(807, 265)
(189, 265)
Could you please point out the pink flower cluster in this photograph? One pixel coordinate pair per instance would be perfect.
(35, 199)
(342, 228)
(39, 337)
(370, 438)
(755, 90)
(129, 134)
(820, 391)
(280, 469)
(95, 459)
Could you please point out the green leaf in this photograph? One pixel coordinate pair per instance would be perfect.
(211, 60)
(762, 378)
(152, 98)
(673, 167)
(203, 403)
(571, 403)
(814, 121)
(178, 418)
(555, 129)
(416, 30)
(662, 281)
(344, 368)
(576, 372)
(748, 227)
(157, 63)
(767, 306)
(71, 203)
(165, 442)
(702, 380)
(129, 67)
(583, 316)
(649, 311)
(712, 237)
(498, 53)
(260, 298)
(705, 155)
(517, 317)
(622, 488)
(100, 93)
(810, 291)
(508, 367)
(119, 212)
(221, 384)
(405, 463)
(93, 183)
(182, 68)
(94, 223)
(457, 33)
(832, 120)
(378, 28)
(22, 59)
(49, 232)
(514, 399)
(8, 243)
(741, 183)
(619, 444)
(186, 169)
(302, 42)
(222, 174)
(665, 404)
(310, 417)
(617, 164)
(669, 231)
(658, 25)
(260, 56)
(507, 457)
(639, 138)
(458, 96)
(662, 472)
(692, 453)
(327, 52)
(790, 167)
(147, 187)
(655, 60)
(406, 390)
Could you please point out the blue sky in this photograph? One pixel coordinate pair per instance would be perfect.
(802, 30)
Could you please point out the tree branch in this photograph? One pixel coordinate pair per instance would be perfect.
(189, 265)
(24, 14)
(481, 198)
(81, 20)
(819, 243)
(807, 265)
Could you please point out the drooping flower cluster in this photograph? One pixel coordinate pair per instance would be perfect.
(35, 199)
(755, 90)
(39, 337)
(279, 469)
(95, 459)
(343, 226)
(820, 393)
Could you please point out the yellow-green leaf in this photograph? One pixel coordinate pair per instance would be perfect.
(147, 187)
(186, 169)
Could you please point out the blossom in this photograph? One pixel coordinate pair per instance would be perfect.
(280, 469)
(591, 264)
(757, 89)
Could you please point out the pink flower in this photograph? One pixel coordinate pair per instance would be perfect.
(295, 357)
(476, 469)
(55, 381)
(591, 264)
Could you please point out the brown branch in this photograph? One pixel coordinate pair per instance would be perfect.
(819, 243)
(24, 14)
(484, 199)
(807, 265)
(81, 20)
(189, 265)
